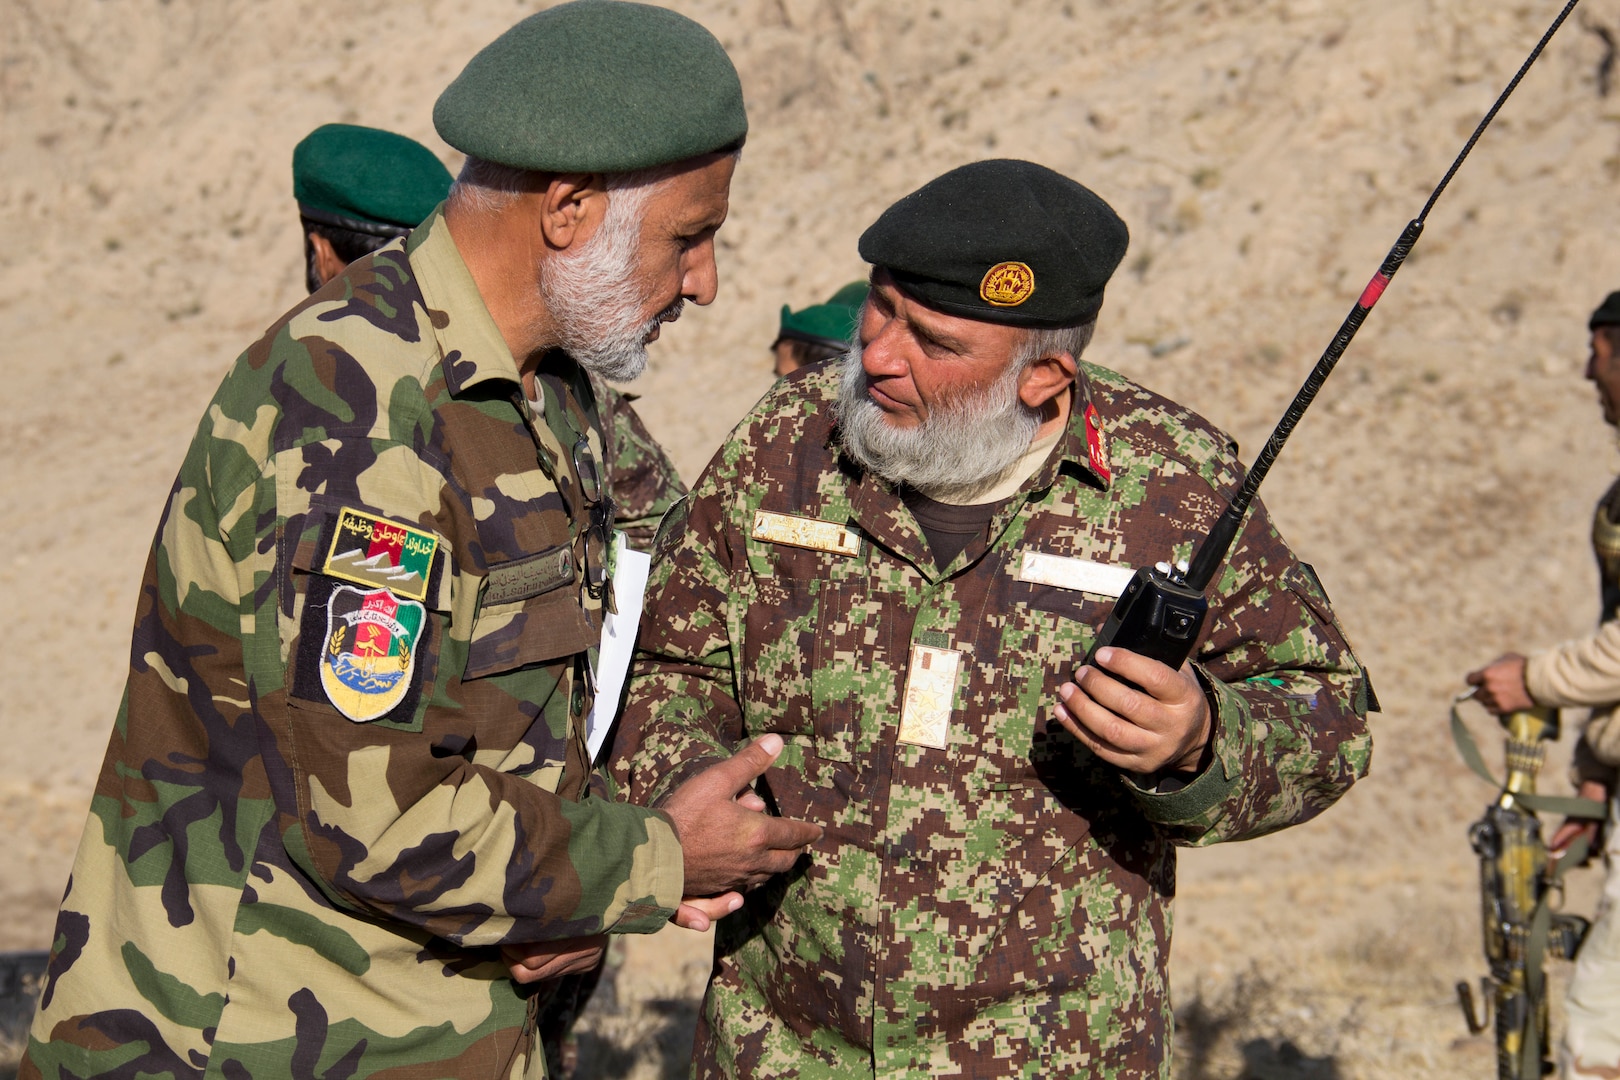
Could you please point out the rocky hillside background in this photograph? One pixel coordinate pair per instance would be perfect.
(1265, 153)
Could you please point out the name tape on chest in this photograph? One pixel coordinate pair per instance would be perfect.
(812, 533)
(531, 576)
(1081, 575)
(925, 714)
(369, 550)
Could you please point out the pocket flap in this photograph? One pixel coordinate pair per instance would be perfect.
(546, 627)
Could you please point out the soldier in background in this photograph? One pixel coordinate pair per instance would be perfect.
(350, 776)
(818, 332)
(1586, 673)
(894, 564)
(358, 188)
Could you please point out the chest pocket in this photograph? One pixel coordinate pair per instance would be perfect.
(529, 612)
(816, 664)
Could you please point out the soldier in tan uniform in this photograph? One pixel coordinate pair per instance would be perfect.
(1586, 673)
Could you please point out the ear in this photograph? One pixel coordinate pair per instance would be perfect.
(327, 263)
(571, 207)
(1046, 378)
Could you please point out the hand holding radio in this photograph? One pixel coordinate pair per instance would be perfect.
(1136, 713)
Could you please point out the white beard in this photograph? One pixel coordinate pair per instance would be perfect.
(594, 302)
(964, 448)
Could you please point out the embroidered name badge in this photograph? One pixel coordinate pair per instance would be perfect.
(370, 650)
(1007, 284)
(803, 532)
(1081, 575)
(925, 714)
(370, 551)
(526, 578)
(1094, 443)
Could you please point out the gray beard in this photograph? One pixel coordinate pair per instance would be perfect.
(964, 448)
(593, 301)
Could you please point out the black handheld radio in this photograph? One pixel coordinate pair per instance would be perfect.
(1162, 610)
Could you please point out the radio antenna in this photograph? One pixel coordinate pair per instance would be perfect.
(1212, 552)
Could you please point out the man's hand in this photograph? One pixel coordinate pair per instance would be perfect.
(1165, 725)
(726, 839)
(1572, 828)
(699, 912)
(1501, 685)
(551, 959)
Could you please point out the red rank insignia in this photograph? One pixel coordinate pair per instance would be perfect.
(1094, 444)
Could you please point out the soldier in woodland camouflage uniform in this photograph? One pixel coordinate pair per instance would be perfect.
(349, 778)
(897, 566)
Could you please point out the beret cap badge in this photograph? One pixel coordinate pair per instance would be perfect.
(1007, 284)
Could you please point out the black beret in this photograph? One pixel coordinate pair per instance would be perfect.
(1607, 313)
(342, 172)
(595, 86)
(1001, 241)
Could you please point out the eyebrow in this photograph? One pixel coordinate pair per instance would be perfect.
(930, 334)
(937, 336)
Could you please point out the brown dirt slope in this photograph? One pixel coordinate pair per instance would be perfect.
(1265, 154)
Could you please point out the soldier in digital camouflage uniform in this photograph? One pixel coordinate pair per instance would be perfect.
(357, 188)
(897, 566)
(346, 825)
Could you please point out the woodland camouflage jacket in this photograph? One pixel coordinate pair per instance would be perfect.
(989, 899)
(349, 763)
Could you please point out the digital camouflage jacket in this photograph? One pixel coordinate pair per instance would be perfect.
(348, 763)
(990, 899)
(641, 477)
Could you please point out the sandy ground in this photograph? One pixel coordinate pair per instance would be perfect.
(1265, 154)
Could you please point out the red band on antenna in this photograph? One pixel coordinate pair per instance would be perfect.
(1375, 288)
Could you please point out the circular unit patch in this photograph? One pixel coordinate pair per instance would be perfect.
(1007, 284)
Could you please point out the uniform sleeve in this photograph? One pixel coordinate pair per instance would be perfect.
(1581, 672)
(643, 480)
(1289, 698)
(681, 709)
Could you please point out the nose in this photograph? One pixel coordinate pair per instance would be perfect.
(700, 278)
(881, 344)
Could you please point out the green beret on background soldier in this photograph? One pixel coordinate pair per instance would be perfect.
(1586, 673)
(895, 564)
(357, 188)
(818, 332)
(350, 773)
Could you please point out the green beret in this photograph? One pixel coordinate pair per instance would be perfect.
(361, 174)
(595, 86)
(1001, 241)
(832, 323)
(1607, 314)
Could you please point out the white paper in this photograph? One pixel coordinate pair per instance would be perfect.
(618, 638)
